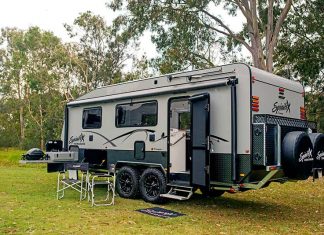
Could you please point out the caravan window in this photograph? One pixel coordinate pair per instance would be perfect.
(91, 118)
(136, 114)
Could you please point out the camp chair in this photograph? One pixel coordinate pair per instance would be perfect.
(73, 181)
(102, 178)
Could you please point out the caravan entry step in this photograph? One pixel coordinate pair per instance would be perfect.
(178, 192)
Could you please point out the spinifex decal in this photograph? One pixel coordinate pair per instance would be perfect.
(279, 107)
(79, 139)
(306, 156)
(320, 155)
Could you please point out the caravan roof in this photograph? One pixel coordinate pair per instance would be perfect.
(180, 81)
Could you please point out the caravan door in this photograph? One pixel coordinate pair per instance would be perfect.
(200, 105)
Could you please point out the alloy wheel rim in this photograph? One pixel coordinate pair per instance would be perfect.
(152, 186)
(126, 182)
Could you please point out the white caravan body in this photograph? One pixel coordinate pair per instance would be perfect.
(251, 82)
(224, 128)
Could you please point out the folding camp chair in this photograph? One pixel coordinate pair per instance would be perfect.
(73, 181)
(99, 178)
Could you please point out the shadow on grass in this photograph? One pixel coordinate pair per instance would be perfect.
(225, 204)
(248, 206)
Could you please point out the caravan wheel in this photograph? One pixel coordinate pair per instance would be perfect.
(152, 184)
(127, 182)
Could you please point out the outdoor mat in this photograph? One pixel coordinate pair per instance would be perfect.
(160, 212)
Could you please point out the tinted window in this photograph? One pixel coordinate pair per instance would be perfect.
(136, 114)
(91, 118)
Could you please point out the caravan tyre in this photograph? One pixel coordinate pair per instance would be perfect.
(297, 158)
(318, 149)
(127, 182)
(152, 185)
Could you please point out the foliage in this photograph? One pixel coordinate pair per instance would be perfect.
(187, 33)
(141, 69)
(31, 69)
(39, 74)
(300, 54)
(101, 51)
(9, 128)
(315, 109)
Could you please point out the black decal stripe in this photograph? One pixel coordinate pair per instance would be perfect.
(132, 132)
(108, 140)
(161, 138)
(219, 138)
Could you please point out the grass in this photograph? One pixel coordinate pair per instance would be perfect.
(28, 205)
(9, 156)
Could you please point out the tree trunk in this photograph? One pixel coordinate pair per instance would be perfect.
(21, 112)
(22, 124)
(270, 59)
(262, 57)
(42, 144)
(41, 127)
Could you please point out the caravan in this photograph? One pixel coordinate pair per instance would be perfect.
(229, 128)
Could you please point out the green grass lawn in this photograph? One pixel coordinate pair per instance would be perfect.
(28, 205)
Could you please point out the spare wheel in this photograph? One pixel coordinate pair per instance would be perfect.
(297, 158)
(318, 149)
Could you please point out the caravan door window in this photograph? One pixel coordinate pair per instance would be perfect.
(136, 114)
(91, 118)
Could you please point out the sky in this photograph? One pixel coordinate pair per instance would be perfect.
(49, 14)
(52, 14)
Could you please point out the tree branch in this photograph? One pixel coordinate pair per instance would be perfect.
(256, 36)
(269, 26)
(31, 114)
(229, 32)
(245, 11)
(203, 58)
(254, 17)
(274, 39)
(246, 5)
(280, 21)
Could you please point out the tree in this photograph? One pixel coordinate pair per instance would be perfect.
(9, 127)
(188, 27)
(32, 71)
(300, 53)
(140, 69)
(45, 52)
(12, 63)
(300, 50)
(39, 75)
(101, 51)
